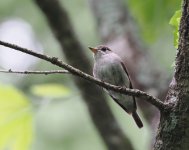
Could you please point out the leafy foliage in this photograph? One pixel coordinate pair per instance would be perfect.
(175, 21)
(50, 90)
(153, 16)
(15, 119)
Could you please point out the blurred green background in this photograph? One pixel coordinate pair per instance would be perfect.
(47, 111)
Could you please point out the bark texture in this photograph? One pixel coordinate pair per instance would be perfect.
(99, 110)
(173, 132)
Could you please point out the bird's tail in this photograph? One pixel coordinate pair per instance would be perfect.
(137, 119)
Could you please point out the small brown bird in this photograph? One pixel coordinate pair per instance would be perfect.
(109, 68)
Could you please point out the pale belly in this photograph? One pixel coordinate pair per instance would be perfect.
(114, 73)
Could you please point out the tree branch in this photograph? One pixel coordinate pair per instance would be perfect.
(132, 92)
(36, 72)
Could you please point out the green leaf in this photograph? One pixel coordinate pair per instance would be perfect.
(152, 16)
(15, 119)
(50, 90)
(175, 21)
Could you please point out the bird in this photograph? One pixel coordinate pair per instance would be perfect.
(108, 67)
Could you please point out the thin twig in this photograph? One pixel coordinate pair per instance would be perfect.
(36, 72)
(132, 92)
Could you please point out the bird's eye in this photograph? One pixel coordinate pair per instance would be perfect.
(104, 49)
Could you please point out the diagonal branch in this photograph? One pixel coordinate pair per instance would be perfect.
(36, 72)
(132, 92)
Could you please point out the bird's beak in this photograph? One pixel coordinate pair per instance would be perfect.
(94, 50)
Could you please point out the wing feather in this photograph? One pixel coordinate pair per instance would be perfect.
(130, 83)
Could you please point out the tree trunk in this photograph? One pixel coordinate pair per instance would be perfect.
(100, 112)
(173, 132)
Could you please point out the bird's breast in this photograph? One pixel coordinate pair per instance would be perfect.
(110, 71)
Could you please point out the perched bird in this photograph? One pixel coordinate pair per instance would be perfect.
(109, 68)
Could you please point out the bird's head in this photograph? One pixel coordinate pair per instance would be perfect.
(100, 50)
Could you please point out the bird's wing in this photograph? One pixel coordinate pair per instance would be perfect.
(117, 101)
(130, 83)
